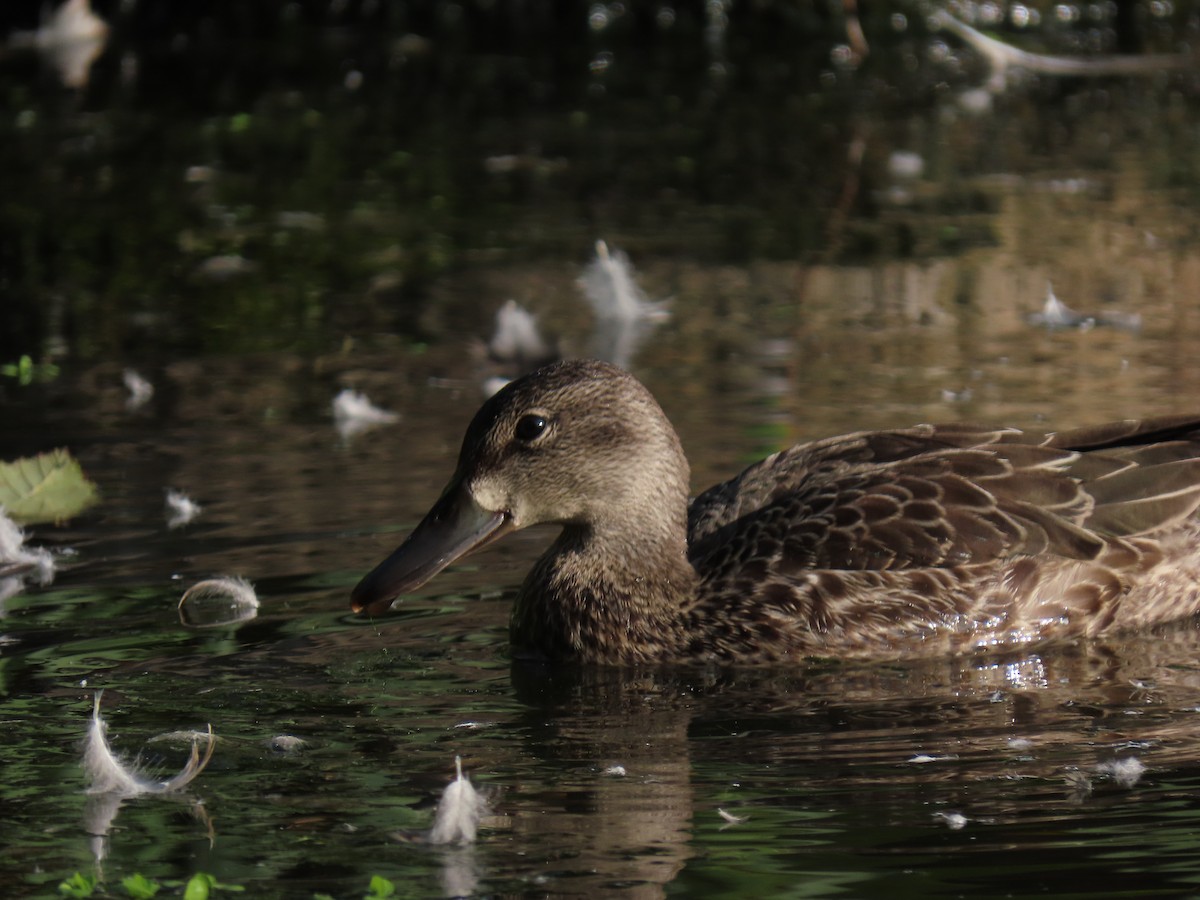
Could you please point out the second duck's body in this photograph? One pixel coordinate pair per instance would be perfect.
(927, 539)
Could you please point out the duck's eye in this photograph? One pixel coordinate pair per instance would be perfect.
(530, 427)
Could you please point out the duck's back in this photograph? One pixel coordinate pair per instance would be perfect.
(958, 532)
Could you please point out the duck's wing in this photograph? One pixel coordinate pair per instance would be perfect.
(1149, 480)
(936, 496)
(1129, 434)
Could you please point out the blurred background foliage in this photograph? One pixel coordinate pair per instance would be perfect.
(252, 175)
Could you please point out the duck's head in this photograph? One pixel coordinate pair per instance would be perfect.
(581, 443)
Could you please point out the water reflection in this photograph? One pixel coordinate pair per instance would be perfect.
(817, 757)
(988, 741)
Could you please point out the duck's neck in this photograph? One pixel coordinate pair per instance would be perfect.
(613, 596)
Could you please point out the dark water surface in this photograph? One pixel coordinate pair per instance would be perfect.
(817, 284)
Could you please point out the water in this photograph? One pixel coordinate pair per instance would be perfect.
(816, 286)
(851, 778)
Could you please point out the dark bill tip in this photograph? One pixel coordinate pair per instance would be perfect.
(456, 526)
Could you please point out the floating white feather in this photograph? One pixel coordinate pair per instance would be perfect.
(108, 774)
(72, 23)
(624, 316)
(140, 390)
(181, 509)
(354, 413)
(16, 558)
(1056, 314)
(517, 338)
(1125, 772)
(612, 291)
(458, 812)
(71, 39)
(218, 601)
(955, 821)
(730, 818)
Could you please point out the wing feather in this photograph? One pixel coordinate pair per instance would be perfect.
(939, 496)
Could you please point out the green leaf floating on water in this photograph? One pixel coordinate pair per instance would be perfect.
(48, 487)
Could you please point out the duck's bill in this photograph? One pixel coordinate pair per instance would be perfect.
(454, 527)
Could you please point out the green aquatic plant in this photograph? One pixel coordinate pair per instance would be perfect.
(49, 487)
(78, 885)
(379, 888)
(139, 887)
(26, 371)
(201, 885)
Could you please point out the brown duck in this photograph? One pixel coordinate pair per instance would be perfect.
(932, 539)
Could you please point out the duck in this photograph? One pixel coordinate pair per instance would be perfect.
(945, 539)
